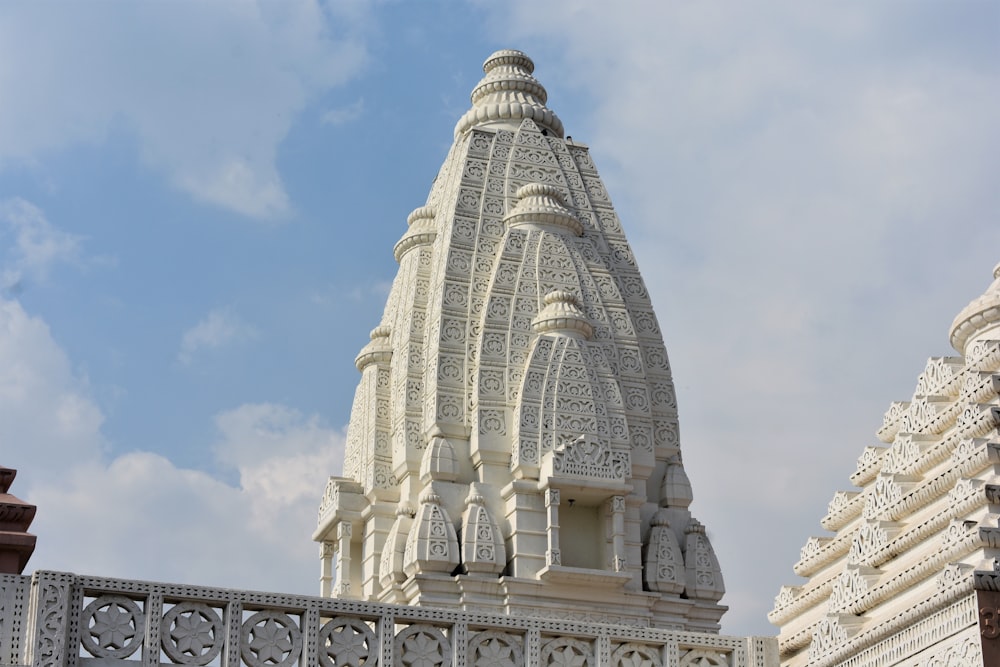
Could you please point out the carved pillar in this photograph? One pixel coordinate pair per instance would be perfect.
(386, 635)
(151, 644)
(552, 554)
(532, 647)
(604, 651)
(620, 561)
(48, 641)
(13, 592)
(325, 568)
(310, 636)
(234, 628)
(343, 588)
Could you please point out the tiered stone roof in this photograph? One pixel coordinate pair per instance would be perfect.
(894, 582)
(16, 543)
(514, 443)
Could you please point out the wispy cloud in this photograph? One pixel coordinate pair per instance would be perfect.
(210, 116)
(221, 327)
(344, 115)
(155, 512)
(37, 244)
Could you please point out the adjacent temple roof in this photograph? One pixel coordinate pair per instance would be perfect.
(917, 539)
(16, 543)
(513, 443)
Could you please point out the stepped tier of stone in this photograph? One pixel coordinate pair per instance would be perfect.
(16, 543)
(513, 444)
(903, 576)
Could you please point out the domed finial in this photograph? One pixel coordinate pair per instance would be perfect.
(541, 205)
(511, 57)
(562, 314)
(509, 94)
(980, 319)
(378, 350)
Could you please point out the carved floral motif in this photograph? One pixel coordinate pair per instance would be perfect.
(422, 646)
(192, 633)
(590, 458)
(347, 642)
(567, 652)
(270, 638)
(495, 649)
(113, 627)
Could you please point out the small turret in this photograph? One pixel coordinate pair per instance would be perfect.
(16, 543)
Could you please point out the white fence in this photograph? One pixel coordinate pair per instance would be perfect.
(57, 619)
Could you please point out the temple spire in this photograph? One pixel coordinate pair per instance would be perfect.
(514, 440)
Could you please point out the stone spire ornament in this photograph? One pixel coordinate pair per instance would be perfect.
(16, 543)
(514, 444)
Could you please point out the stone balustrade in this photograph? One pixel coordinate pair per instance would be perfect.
(58, 619)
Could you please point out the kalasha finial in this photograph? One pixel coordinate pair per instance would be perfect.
(16, 543)
(509, 94)
(980, 320)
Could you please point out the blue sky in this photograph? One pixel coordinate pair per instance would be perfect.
(199, 200)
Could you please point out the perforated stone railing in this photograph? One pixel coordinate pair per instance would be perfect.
(57, 619)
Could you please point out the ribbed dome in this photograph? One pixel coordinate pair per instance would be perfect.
(980, 316)
(542, 205)
(562, 314)
(509, 94)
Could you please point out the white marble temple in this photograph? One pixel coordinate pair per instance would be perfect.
(514, 443)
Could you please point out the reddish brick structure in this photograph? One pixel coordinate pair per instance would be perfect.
(16, 543)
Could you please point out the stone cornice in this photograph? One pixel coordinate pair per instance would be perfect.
(869, 465)
(879, 632)
(845, 506)
(807, 596)
(825, 552)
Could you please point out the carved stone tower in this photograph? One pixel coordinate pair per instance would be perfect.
(513, 444)
(909, 573)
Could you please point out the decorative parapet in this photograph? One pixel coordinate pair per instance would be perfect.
(983, 355)
(343, 498)
(869, 465)
(819, 552)
(890, 422)
(590, 459)
(71, 619)
(941, 377)
(845, 506)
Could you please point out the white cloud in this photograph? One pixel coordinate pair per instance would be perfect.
(37, 244)
(345, 114)
(219, 328)
(282, 456)
(139, 515)
(209, 89)
(47, 416)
